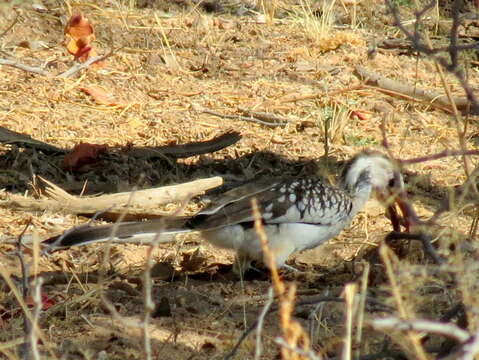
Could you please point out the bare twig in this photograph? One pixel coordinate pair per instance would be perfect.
(37, 308)
(320, 95)
(238, 117)
(468, 351)
(315, 301)
(423, 238)
(436, 156)
(26, 347)
(10, 27)
(435, 327)
(259, 327)
(16, 64)
(421, 45)
(148, 304)
(387, 258)
(80, 66)
(264, 116)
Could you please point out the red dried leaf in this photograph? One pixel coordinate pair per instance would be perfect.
(83, 154)
(359, 115)
(101, 97)
(47, 302)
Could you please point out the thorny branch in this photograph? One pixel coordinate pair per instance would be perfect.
(420, 44)
(448, 58)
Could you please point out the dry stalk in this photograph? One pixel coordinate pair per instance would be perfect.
(31, 328)
(10, 27)
(293, 333)
(269, 9)
(387, 257)
(457, 116)
(37, 307)
(148, 303)
(361, 307)
(350, 296)
(259, 326)
(261, 119)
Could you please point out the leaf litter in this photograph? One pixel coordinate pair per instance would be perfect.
(223, 62)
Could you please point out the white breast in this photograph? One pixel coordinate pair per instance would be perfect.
(284, 239)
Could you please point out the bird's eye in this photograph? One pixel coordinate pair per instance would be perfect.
(391, 182)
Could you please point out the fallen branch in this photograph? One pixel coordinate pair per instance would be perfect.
(442, 154)
(432, 97)
(189, 149)
(144, 201)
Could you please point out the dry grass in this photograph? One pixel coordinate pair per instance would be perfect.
(171, 59)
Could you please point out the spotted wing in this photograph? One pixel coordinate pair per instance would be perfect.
(292, 201)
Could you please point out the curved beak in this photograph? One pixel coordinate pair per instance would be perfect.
(394, 198)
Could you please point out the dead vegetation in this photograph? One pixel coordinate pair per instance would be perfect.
(181, 72)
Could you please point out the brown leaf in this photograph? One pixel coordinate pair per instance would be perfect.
(101, 97)
(79, 27)
(79, 38)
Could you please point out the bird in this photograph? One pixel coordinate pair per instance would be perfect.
(296, 213)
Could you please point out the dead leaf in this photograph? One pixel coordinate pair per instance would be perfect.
(358, 114)
(223, 24)
(83, 154)
(101, 97)
(79, 38)
(47, 301)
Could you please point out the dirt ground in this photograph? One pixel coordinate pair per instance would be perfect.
(172, 58)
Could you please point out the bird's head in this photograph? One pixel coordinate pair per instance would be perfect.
(374, 169)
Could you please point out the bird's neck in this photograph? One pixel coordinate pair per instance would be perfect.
(360, 191)
(360, 197)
